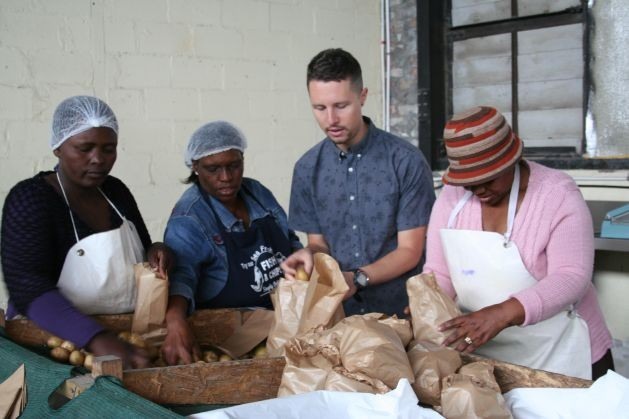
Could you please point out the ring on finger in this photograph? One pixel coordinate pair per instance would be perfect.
(468, 340)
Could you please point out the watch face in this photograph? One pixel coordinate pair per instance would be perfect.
(361, 279)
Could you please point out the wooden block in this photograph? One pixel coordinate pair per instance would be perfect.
(107, 365)
(77, 385)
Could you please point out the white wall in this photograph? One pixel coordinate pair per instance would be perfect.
(166, 67)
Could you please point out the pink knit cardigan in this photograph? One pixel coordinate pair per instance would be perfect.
(553, 232)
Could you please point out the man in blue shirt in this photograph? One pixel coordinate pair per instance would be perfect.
(362, 195)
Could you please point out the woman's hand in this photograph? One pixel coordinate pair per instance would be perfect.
(475, 329)
(180, 344)
(160, 257)
(106, 343)
(302, 257)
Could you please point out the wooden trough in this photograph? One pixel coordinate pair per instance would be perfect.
(243, 381)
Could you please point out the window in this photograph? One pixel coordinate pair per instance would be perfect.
(528, 58)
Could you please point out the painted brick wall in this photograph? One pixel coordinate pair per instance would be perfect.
(166, 67)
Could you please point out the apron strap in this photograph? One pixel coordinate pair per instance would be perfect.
(513, 203)
(63, 192)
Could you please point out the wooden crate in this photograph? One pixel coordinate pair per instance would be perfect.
(244, 381)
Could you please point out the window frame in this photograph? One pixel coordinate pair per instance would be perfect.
(435, 39)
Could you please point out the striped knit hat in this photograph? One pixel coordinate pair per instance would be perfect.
(480, 145)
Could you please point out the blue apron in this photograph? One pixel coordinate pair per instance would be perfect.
(253, 260)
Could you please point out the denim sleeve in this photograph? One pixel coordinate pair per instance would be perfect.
(417, 194)
(187, 239)
(302, 214)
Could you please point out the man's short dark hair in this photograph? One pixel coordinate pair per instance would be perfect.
(335, 64)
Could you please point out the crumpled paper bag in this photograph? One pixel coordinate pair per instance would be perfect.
(431, 364)
(13, 394)
(429, 308)
(359, 353)
(151, 300)
(471, 397)
(374, 349)
(302, 305)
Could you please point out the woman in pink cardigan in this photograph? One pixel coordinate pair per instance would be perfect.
(512, 241)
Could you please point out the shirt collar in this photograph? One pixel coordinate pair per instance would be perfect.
(363, 146)
(256, 211)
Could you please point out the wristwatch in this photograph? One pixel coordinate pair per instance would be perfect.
(361, 280)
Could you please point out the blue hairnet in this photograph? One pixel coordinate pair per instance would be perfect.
(213, 138)
(77, 114)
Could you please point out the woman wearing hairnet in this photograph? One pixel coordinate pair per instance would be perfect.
(229, 234)
(70, 236)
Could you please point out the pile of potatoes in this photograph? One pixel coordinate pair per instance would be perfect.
(66, 352)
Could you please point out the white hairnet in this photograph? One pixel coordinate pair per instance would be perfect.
(77, 114)
(213, 138)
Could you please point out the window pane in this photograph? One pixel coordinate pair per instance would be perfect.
(481, 73)
(538, 7)
(467, 12)
(550, 87)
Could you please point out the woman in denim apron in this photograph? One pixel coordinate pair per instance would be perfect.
(229, 235)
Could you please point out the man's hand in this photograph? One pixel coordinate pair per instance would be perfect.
(302, 257)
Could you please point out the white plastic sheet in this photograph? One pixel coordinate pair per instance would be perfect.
(608, 397)
(400, 403)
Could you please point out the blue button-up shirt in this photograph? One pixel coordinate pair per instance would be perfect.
(359, 199)
(201, 270)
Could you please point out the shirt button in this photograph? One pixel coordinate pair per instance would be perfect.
(351, 169)
(356, 254)
(351, 197)
(354, 227)
(359, 155)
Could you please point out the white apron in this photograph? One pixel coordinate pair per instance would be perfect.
(485, 269)
(97, 275)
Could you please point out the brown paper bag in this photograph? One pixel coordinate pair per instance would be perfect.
(339, 379)
(300, 306)
(252, 330)
(309, 360)
(288, 299)
(463, 398)
(401, 326)
(431, 364)
(152, 299)
(13, 394)
(374, 349)
(429, 308)
(482, 373)
(324, 298)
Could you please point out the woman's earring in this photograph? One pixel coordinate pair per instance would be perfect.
(196, 173)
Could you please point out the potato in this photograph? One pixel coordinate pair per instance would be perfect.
(125, 335)
(136, 340)
(224, 357)
(301, 274)
(76, 358)
(66, 344)
(88, 361)
(60, 354)
(53, 342)
(210, 356)
(260, 352)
